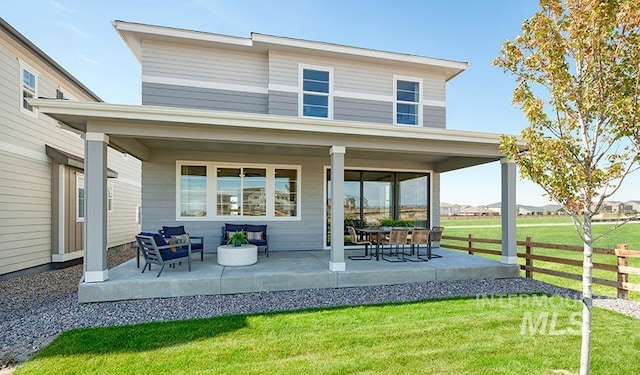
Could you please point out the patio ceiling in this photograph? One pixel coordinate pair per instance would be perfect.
(139, 130)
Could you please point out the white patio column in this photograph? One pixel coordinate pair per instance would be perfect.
(95, 218)
(336, 263)
(508, 212)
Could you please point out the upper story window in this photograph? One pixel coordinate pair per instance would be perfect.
(407, 106)
(315, 96)
(60, 94)
(28, 88)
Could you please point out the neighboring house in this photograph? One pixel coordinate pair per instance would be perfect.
(530, 210)
(228, 123)
(477, 211)
(612, 206)
(448, 209)
(630, 207)
(41, 162)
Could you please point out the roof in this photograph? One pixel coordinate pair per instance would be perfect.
(138, 129)
(44, 57)
(134, 33)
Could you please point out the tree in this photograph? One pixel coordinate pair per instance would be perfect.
(577, 67)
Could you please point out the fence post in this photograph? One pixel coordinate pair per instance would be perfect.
(622, 277)
(470, 244)
(528, 262)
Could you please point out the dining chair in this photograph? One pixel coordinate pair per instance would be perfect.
(354, 240)
(435, 236)
(419, 236)
(397, 238)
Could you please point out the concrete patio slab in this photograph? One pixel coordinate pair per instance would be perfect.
(286, 270)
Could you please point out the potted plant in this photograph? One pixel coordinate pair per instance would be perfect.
(238, 239)
(238, 251)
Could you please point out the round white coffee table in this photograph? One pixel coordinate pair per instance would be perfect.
(235, 256)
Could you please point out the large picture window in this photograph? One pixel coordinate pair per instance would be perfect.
(316, 93)
(210, 191)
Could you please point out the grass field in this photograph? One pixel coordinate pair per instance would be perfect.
(460, 336)
(553, 233)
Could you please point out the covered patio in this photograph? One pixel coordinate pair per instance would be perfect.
(315, 151)
(285, 270)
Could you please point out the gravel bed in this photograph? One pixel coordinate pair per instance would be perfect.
(35, 309)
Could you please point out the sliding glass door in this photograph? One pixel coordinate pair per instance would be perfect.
(372, 196)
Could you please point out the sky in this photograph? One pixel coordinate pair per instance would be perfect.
(79, 36)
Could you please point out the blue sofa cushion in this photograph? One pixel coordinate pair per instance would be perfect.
(171, 231)
(156, 236)
(257, 228)
(196, 246)
(168, 255)
(235, 227)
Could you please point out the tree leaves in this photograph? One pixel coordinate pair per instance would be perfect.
(576, 66)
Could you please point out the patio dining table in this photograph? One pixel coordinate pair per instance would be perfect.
(380, 232)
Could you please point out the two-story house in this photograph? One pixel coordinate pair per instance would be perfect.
(41, 162)
(274, 130)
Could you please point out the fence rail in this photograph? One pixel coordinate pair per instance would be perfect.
(621, 268)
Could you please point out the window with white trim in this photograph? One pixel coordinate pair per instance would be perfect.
(28, 88)
(109, 198)
(226, 191)
(80, 198)
(315, 93)
(407, 108)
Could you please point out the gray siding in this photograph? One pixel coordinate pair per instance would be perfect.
(283, 103)
(26, 208)
(434, 117)
(159, 196)
(159, 200)
(203, 98)
(201, 64)
(362, 110)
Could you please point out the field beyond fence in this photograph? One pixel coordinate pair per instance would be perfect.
(551, 251)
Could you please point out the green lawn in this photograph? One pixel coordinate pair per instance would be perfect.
(628, 234)
(460, 336)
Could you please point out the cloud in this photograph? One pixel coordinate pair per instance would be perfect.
(88, 59)
(75, 29)
(62, 7)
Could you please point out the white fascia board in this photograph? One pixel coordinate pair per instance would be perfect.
(90, 111)
(356, 51)
(133, 33)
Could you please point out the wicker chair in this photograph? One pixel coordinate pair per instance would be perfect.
(356, 241)
(436, 236)
(419, 236)
(397, 238)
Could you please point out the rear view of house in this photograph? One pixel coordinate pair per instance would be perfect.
(42, 196)
(302, 136)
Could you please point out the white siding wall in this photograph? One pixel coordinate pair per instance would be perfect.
(203, 65)
(354, 77)
(25, 186)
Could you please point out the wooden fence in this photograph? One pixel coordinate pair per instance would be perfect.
(621, 268)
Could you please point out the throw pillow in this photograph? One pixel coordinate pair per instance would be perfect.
(254, 236)
(181, 238)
